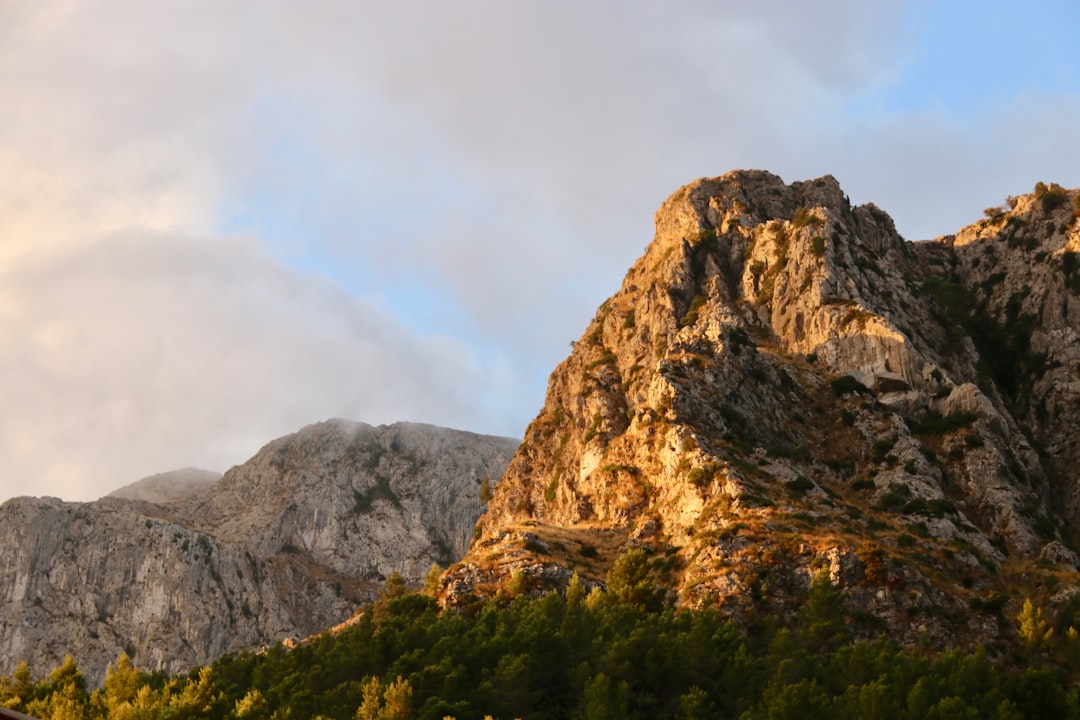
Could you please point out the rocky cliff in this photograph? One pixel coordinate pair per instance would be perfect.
(283, 546)
(783, 386)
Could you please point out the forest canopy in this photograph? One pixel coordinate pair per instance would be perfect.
(605, 654)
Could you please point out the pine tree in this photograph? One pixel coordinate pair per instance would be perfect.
(629, 583)
(1032, 628)
(575, 591)
(394, 587)
(431, 580)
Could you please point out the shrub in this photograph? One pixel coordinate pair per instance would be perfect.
(803, 217)
(882, 447)
(697, 476)
(893, 501)
(549, 491)
(706, 238)
(938, 424)
(847, 384)
(732, 416)
(1050, 196)
(917, 506)
(594, 427)
(954, 299)
(800, 484)
(691, 315)
(873, 560)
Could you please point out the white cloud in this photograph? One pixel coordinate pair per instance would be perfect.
(141, 353)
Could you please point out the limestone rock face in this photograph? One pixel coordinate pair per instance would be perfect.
(283, 546)
(783, 386)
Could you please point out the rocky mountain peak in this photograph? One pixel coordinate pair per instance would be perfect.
(782, 376)
(285, 545)
(168, 486)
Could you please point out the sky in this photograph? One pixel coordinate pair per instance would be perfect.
(220, 222)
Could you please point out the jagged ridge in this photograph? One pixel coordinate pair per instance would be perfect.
(783, 385)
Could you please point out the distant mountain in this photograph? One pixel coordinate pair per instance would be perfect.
(784, 387)
(283, 546)
(168, 486)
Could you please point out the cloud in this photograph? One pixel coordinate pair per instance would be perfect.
(135, 354)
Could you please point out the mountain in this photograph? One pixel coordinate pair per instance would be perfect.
(168, 486)
(283, 546)
(784, 387)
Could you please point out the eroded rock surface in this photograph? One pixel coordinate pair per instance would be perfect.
(783, 386)
(283, 546)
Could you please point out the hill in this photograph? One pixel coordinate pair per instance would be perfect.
(784, 386)
(281, 547)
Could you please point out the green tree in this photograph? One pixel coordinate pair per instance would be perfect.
(62, 695)
(65, 703)
(121, 686)
(397, 701)
(1034, 631)
(432, 580)
(605, 699)
(252, 706)
(394, 587)
(517, 583)
(822, 617)
(575, 592)
(695, 705)
(629, 583)
(197, 699)
(16, 690)
(393, 703)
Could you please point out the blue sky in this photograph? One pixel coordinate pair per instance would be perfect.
(224, 221)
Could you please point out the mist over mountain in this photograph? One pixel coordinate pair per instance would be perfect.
(168, 486)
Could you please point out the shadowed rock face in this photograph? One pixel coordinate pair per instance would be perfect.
(783, 386)
(283, 546)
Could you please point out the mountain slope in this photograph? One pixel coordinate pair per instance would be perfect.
(784, 386)
(168, 486)
(283, 546)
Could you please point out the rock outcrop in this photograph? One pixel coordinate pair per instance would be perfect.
(783, 386)
(283, 546)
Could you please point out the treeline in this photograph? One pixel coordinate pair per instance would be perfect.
(614, 654)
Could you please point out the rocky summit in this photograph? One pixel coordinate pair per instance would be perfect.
(784, 388)
(281, 547)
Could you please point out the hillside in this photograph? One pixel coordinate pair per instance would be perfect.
(281, 547)
(784, 386)
(168, 486)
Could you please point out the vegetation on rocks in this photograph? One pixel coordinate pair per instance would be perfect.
(585, 655)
